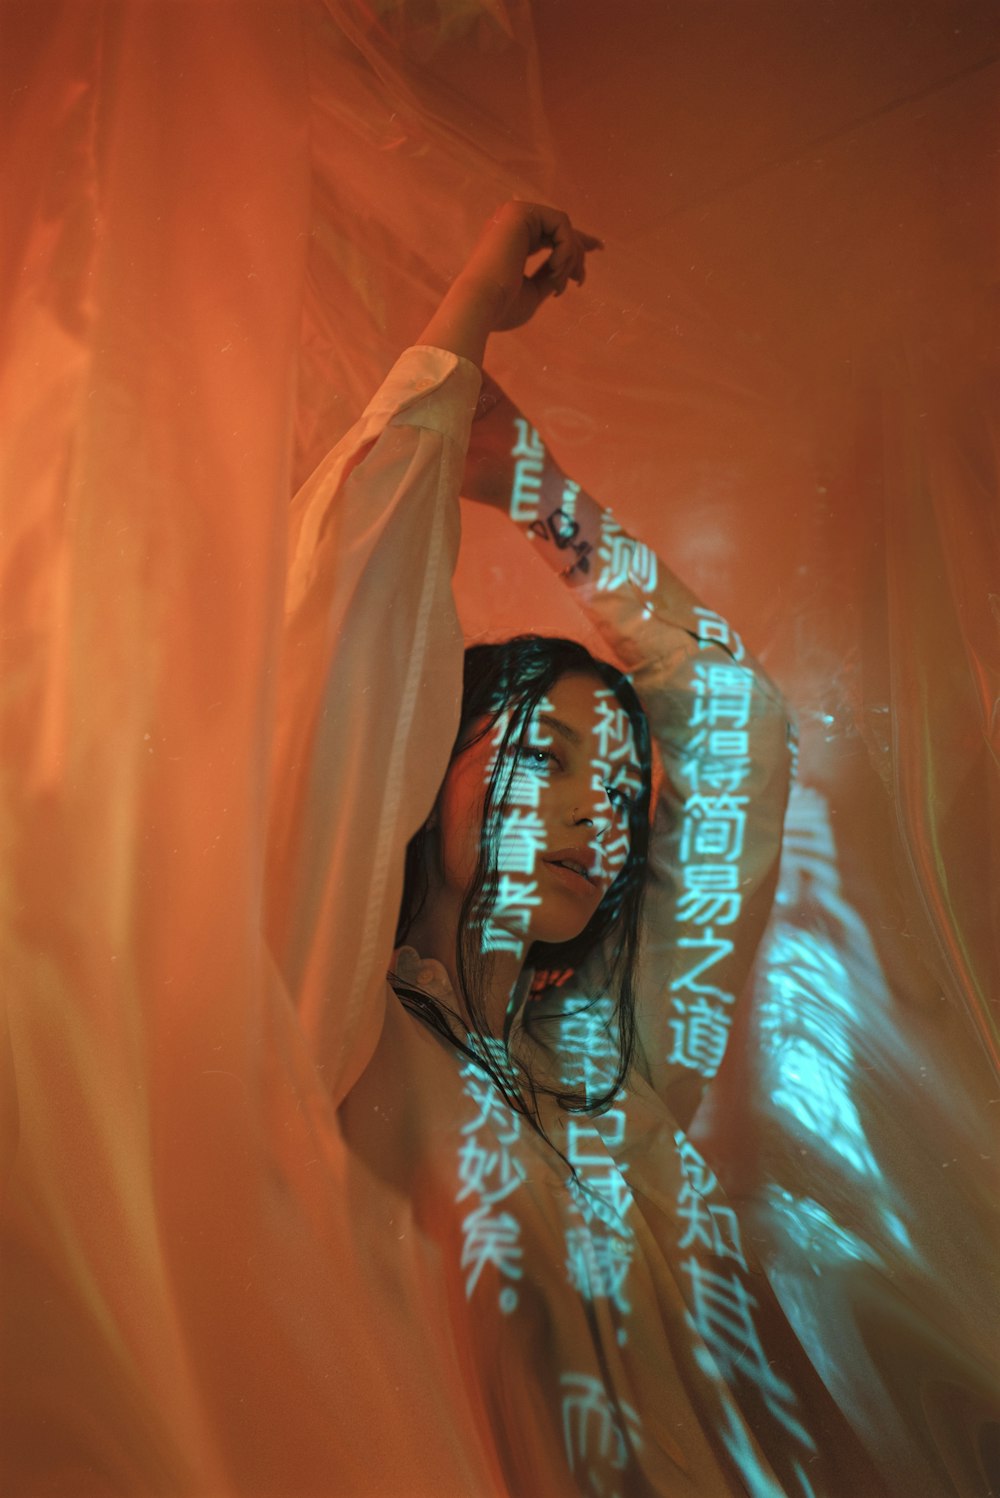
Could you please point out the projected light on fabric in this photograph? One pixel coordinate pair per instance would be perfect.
(716, 1215)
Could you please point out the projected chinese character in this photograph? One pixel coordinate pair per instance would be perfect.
(494, 1111)
(521, 839)
(713, 629)
(507, 923)
(701, 1034)
(594, 1429)
(622, 560)
(613, 729)
(722, 1309)
(711, 949)
(597, 1265)
(713, 827)
(492, 1240)
(529, 460)
(490, 1174)
(710, 893)
(722, 695)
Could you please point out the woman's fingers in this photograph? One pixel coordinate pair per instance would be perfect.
(589, 243)
(577, 270)
(556, 230)
(583, 245)
(552, 227)
(544, 282)
(517, 232)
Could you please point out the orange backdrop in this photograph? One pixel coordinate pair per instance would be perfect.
(221, 223)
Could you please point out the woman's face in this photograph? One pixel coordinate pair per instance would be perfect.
(564, 835)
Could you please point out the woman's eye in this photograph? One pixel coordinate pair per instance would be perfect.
(538, 758)
(618, 797)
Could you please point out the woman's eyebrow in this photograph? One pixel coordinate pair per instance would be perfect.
(560, 727)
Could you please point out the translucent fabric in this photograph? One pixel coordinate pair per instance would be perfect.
(222, 224)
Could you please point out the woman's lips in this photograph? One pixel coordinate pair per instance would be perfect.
(582, 855)
(571, 878)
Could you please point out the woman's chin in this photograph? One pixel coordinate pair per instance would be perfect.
(556, 933)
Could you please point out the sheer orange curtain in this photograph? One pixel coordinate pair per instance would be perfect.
(222, 222)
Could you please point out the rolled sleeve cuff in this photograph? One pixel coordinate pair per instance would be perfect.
(427, 387)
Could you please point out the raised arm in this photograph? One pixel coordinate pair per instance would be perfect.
(723, 735)
(493, 293)
(371, 672)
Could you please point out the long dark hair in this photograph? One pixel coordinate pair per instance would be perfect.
(511, 678)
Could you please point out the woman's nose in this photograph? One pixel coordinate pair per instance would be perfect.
(591, 805)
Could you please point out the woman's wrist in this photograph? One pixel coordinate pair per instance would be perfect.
(508, 467)
(493, 292)
(466, 317)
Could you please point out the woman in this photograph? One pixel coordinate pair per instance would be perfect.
(562, 965)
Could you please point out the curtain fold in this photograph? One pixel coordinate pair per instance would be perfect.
(222, 223)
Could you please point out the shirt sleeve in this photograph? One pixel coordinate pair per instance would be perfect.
(726, 745)
(368, 698)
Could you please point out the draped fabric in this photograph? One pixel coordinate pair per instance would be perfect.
(222, 224)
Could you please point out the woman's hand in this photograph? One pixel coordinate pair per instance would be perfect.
(492, 292)
(515, 233)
